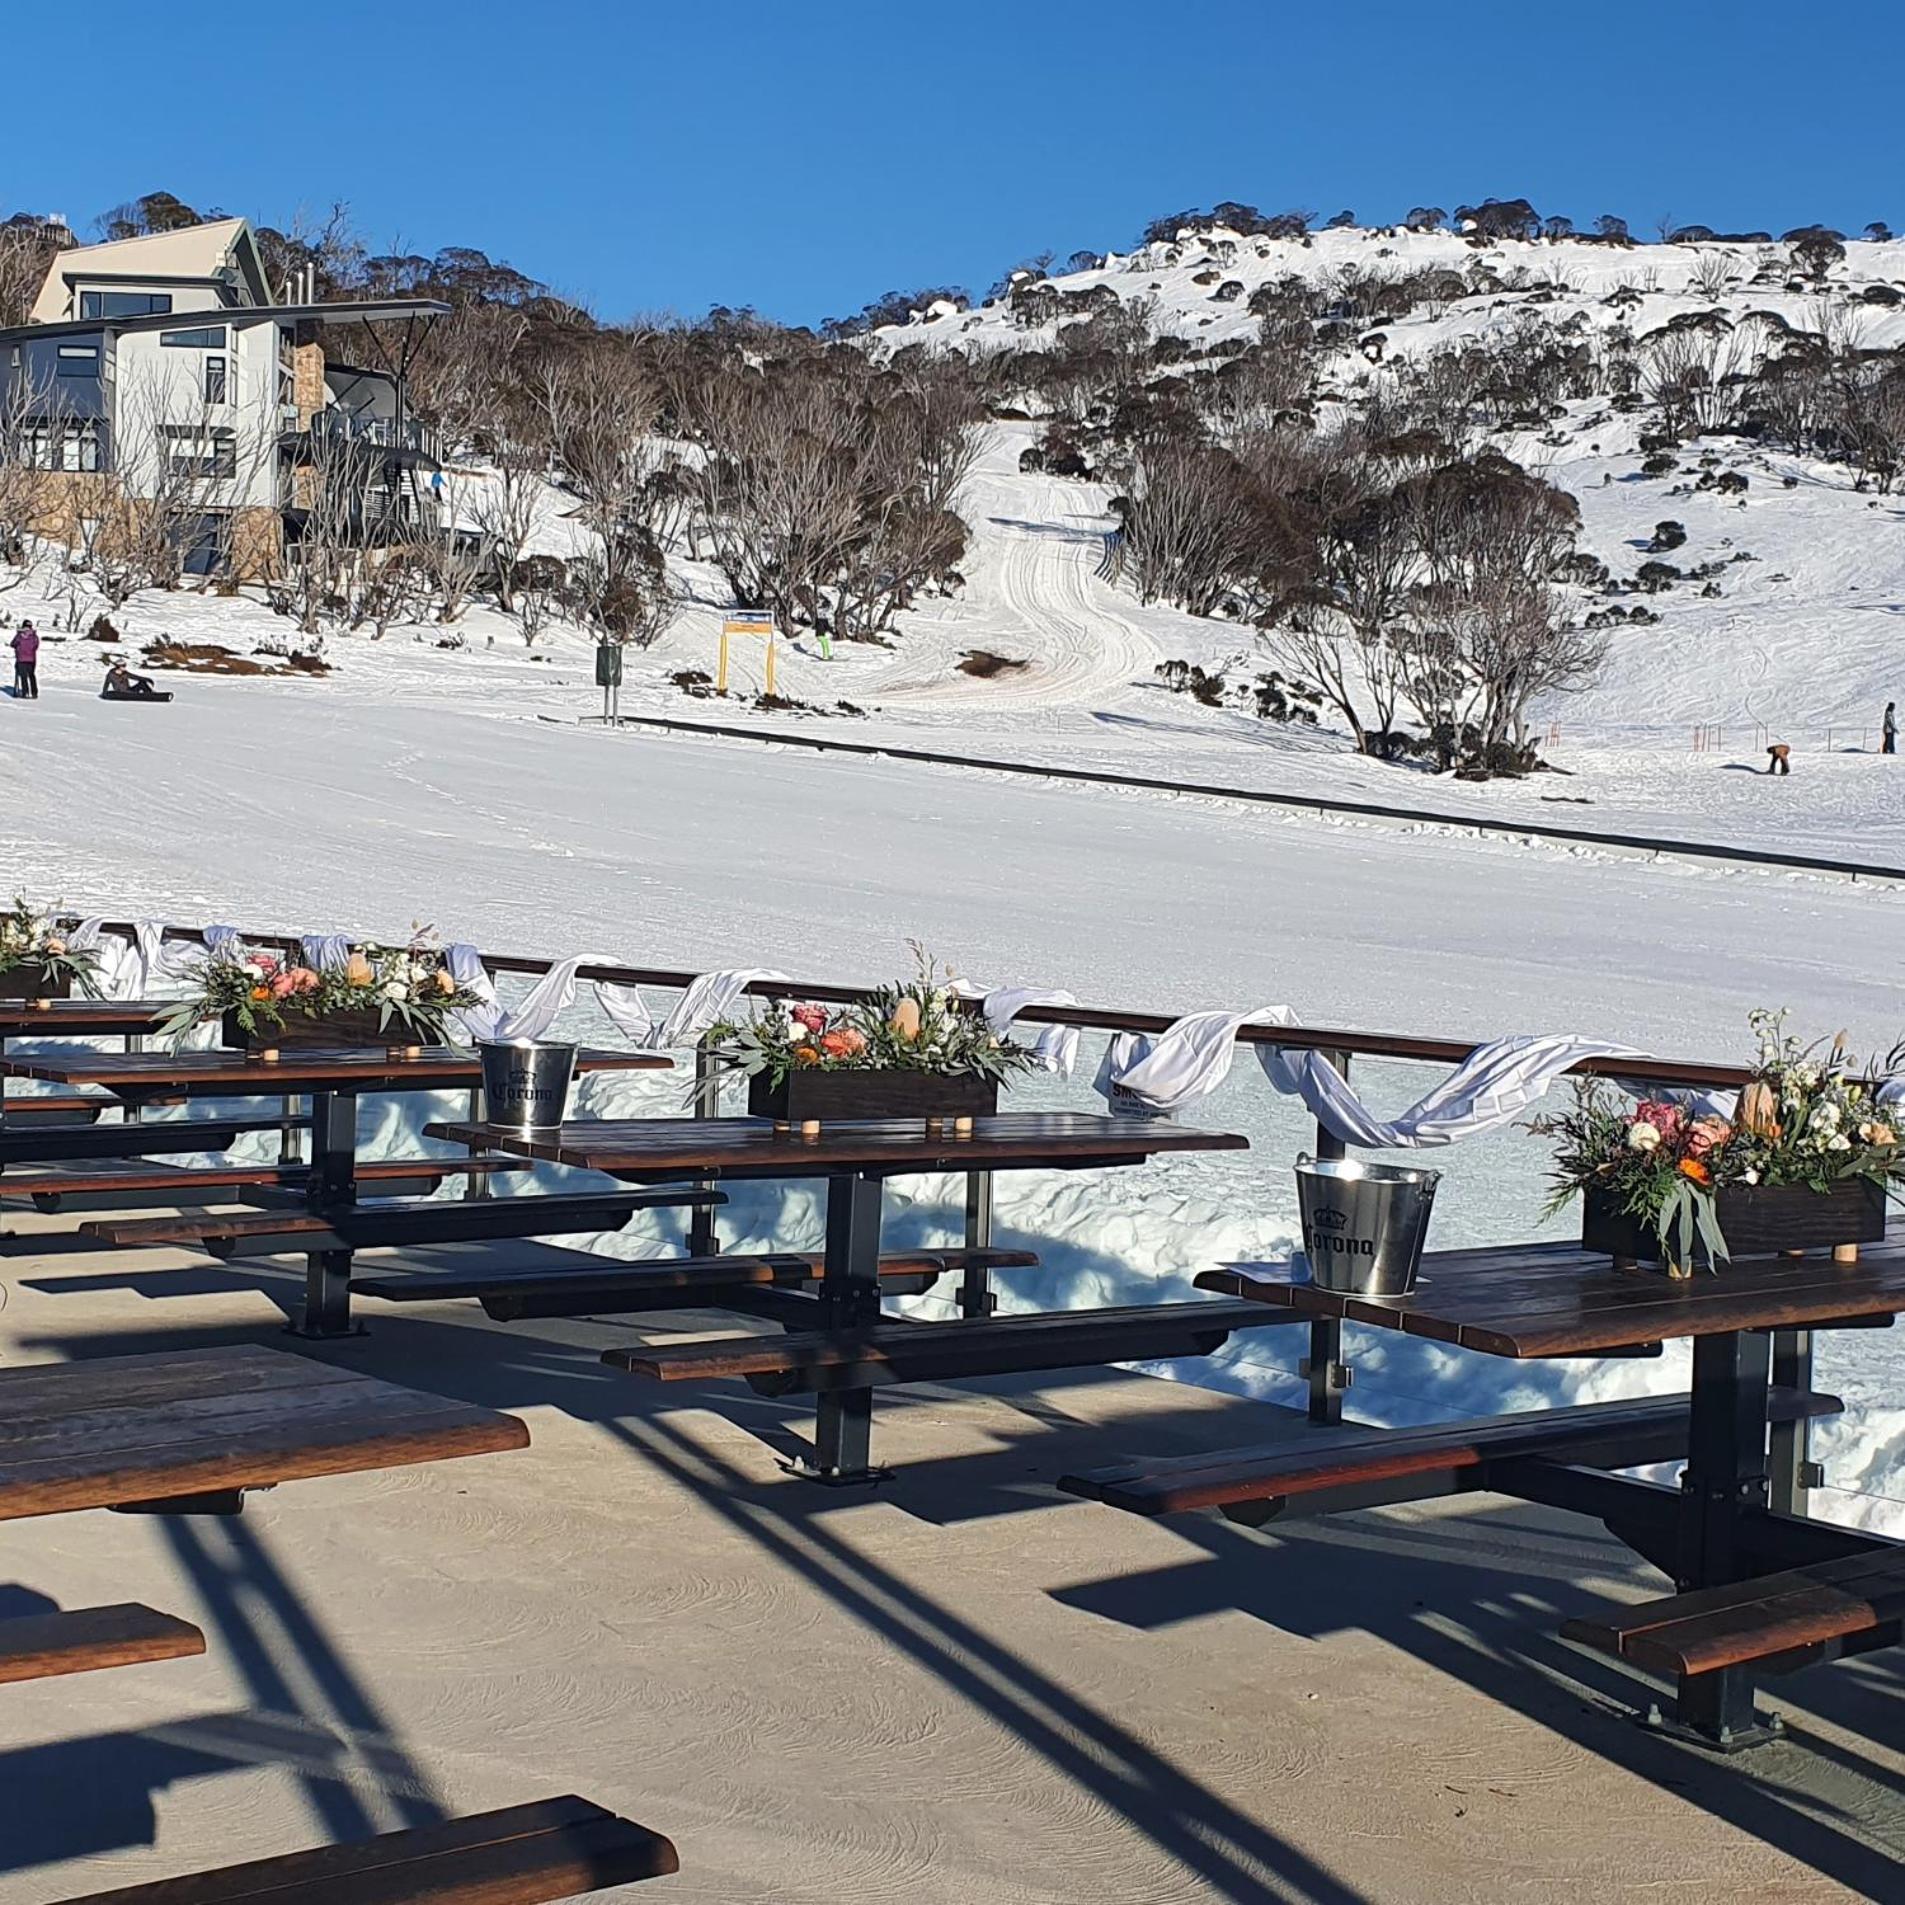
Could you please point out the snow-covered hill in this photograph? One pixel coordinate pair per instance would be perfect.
(1802, 632)
(1801, 642)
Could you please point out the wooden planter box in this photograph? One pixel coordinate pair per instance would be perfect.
(35, 982)
(336, 1032)
(1756, 1220)
(845, 1096)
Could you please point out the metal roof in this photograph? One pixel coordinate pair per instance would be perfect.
(368, 311)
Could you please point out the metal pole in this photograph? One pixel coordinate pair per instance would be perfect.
(704, 1240)
(1793, 1473)
(1328, 1375)
(1725, 1477)
(976, 1298)
(332, 1186)
(850, 1299)
(477, 1184)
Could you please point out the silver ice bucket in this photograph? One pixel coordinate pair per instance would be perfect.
(1364, 1224)
(526, 1083)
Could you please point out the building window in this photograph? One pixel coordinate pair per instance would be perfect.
(64, 445)
(190, 451)
(207, 337)
(79, 360)
(125, 304)
(215, 380)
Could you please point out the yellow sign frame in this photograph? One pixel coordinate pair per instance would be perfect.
(752, 625)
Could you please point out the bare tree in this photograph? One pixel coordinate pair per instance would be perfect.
(30, 428)
(1190, 526)
(27, 246)
(1694, 373)
(1510, 639)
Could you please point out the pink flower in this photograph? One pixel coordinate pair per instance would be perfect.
(1669, 1120)
(845, 1043)
(303, 979)
(282, 986)
(267, 966)
(813, 1017)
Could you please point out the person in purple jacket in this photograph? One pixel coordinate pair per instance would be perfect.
(26, 663)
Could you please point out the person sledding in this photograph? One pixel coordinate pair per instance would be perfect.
(122, 684)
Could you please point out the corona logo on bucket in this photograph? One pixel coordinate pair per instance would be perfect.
(1325, 1237)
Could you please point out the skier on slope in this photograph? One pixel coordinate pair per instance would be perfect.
(1889, 741)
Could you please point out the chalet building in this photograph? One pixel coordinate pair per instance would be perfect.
(164, 372)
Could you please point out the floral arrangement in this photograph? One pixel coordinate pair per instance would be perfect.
(29, 937)
(409, 988)
(919, 1026)
(1804, 1120)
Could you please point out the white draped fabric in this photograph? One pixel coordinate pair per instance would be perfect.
(554, 993)
(1056, 1046)
(481, 1020)
(707, 1001)
(138, 969)
(326, 952)
(1155, 1077)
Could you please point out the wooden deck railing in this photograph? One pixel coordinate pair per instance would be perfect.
(1307, 1038)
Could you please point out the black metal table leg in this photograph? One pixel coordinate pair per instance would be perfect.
(849, 1299)
(1794, 1473)
(332, 1184)
(1725, 1479)
(976, 1300)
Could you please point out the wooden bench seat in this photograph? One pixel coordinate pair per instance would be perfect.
(398, 1222)
(76, 1106)
(49, 1141)
(612, 1286)
(110, 1179)
(38, 1646)
(1796, 1616)
(923, 1352)
(524, 1855)
(1252, 1484)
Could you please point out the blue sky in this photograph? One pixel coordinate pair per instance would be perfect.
(804, 159)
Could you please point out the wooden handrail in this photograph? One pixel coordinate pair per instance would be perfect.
(1309, 1038)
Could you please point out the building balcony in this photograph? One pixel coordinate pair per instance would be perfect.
(407, 437)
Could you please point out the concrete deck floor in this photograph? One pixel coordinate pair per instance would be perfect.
(960, 1689)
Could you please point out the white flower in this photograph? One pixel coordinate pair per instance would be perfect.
(1824, 1118)
(1839, 1142)
(1749, 1176)
(395, 991)
(1644, 1137)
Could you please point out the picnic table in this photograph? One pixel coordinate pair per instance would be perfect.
(855, 1159)
(189, 1432)
(79, 1018)
(1760, 1589)
(131, 1021)
(332, 1080)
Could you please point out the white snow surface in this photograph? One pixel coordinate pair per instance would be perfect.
(453, 786)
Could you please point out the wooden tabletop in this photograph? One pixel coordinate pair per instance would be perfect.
(224, 1073)
(1556, 1299)
(661, 1148)
(122, 1429)
(78, 1018)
